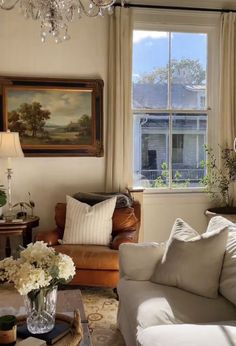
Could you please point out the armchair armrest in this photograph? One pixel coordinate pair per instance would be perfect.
(50, 237)
(138, 261)
(123, 237)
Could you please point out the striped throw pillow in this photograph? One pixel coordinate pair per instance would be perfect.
(87, 224)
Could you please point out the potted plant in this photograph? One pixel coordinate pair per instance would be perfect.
(23, 208)
(219, 180)
(3, 198)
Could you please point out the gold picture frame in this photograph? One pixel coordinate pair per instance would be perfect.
(54, 117)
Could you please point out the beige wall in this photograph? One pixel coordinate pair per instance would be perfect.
(160, 212)
(23, 54)
(50, 179)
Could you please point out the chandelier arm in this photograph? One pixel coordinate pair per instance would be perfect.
(2, 7)
(108, 3)
(87, 13)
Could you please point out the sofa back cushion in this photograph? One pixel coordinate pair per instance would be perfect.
(192, 262)
(138, 261)
(87, 224)
(228, 276)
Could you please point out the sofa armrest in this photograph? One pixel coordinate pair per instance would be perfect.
(123, 237)
(138, 261)
(49, 237)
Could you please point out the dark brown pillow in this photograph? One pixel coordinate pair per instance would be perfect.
(124, 219)
(123, 200)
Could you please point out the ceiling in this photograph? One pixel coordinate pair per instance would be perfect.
(230, 4)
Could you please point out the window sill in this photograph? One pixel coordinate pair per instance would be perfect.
(149, 191)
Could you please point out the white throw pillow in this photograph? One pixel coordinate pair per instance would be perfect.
(192, 262)
(228, 276)
(88, 225)
(138, 261)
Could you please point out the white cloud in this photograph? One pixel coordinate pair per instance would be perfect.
(140, 35)
(64, 106)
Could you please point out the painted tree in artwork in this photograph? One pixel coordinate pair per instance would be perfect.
(84, 125)
(31, 116)
(15, 123)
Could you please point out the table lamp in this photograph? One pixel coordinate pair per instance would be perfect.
(10, 147)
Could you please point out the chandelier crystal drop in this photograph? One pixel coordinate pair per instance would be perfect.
(55, 15)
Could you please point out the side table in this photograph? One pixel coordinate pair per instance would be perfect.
(18, 227)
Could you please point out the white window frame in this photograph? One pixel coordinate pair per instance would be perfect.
(189, 22)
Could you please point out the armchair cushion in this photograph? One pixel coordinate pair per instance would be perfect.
(123, 219)
(88, 224)
(91, 257)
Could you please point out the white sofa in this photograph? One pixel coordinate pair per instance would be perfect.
(152, 314)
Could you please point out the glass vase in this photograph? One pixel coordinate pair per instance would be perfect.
(41, 309)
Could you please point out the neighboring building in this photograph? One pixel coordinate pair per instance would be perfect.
(151, 133)
(154, 96)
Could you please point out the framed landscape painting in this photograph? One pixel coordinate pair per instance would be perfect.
(55, 117)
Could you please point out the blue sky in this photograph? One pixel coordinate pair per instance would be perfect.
(151, 49)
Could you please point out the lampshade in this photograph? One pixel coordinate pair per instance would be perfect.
(10, 144)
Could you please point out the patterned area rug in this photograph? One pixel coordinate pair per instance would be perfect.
(101, 310)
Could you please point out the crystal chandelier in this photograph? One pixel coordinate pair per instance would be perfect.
(55, 15)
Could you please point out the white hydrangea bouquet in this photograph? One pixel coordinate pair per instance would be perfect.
(36, 274)
(38, 266)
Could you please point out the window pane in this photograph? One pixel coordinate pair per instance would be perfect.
(151, 150)
(188, 70)
(150, 76)
(188, 139)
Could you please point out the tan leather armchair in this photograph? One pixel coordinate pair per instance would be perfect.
(96, 265)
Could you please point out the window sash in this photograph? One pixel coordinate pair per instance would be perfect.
(170, 117)
(171, 21)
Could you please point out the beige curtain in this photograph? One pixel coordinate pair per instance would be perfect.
(228, 79)
(119, 124)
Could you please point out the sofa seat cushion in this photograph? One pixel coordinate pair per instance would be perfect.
(148, 304)
(188, 334)
(95, 257)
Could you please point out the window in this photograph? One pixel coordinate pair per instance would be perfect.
(169, 108)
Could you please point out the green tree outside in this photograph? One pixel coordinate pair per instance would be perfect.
(192, 72)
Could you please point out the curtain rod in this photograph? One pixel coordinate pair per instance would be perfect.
(203, 9)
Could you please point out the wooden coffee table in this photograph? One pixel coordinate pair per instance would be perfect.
(67, 301)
